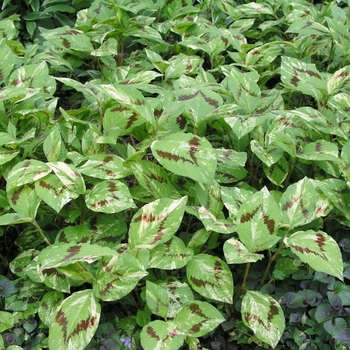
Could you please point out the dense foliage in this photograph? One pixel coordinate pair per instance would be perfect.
(174, 174)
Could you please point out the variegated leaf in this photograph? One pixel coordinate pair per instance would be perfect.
(170, 255)
(237, 253)
(186, 155)
(26, 172)
(317, 249)
(264, 316)
(257, 221)
(198, 318)
(75, 322)
(24, 200)
(156, 222)
(159, 335)
(118, 276)
(210, 277)
(109, 197)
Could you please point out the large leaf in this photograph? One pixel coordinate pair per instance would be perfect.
(210, 277)
(198, 318)
(156, 222)
(75, 322)
(109, 197)
(319, 150)
(258, 220)
(186, 155)
(64, 254)
(118, 277)
(317, 249)
(264, 316)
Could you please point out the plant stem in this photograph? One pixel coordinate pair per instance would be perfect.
(238, 294)
(271, 260)
(41, 232)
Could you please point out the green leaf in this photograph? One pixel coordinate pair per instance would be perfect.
(264, 316)
(24, 200)
(210, 277)
(258, 220)
(6, 155)
(51, 190)
(104, 166)
(303, 77)
(308, 27)
(14, 218)
(74, 234)
(269, 155)
(53, 145)
(153, 178)
(319, 150)
(317, 249)
(156, 222)
(157, 299)
(162, 335)
(298, 204)
(8, 59)
(67, 39)
(69, 176)
(64, 254)
(70, 329)
(170, 255)
(49, 305)
(109, 197)
(6, 321)
(25, 172)
(198, 318)
(118, 277)
(186, 155)
(236, 253)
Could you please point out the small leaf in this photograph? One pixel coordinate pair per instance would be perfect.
(317, 249)
(236, 253)
(49, 306)
(170, 255)
(264, 316)
(162, 335)
(210, 277)
(7, 288)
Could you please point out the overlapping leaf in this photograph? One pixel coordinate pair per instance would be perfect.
(26, 172)
(170, 255)
(257, 221)
(303, 77)
(236, 253)
(156, 222)
(263, 314)
(118, 276)
(317, 249)
(104, 166)
(186, 155)
(198, 318)
(210, 277)
(70, 329)
(64, 254)
(109, 197)
(162, 335)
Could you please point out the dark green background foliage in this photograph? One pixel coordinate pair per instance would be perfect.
(177, 172)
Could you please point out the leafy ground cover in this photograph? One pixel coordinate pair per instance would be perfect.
(174, 174)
